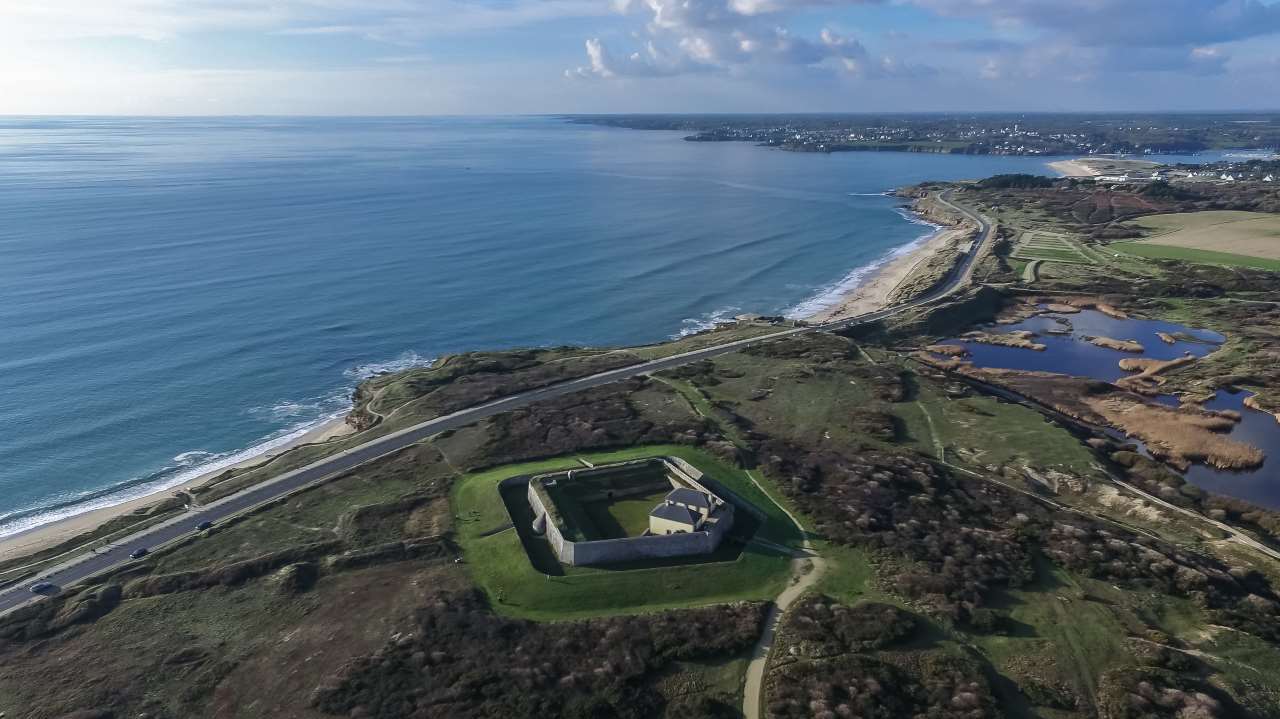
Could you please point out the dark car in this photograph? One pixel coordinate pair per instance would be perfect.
(139, 553)
(44, 588)
(203, 526)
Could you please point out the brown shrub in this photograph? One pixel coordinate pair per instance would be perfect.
(1179, 436)
(1118, 345)
(228, 574)
(948, 350)
(464, 661)
(938, 686)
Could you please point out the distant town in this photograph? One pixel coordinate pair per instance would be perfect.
(1119, 170)
(977, 134)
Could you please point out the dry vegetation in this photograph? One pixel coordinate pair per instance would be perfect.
(1252, 234)
(460, 660)
(1119, 345)
(1082, 208)
(1020, 339)
(847, 661)
(466, 380)
(1179, 436)
(1148, 379)
(1105, 308)
(1061, 308)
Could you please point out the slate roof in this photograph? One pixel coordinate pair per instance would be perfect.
(673, 513)
(693, 498)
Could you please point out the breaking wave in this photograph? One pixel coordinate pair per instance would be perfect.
(704, 322)
(832, 294)
(303, 417)
(407, 360)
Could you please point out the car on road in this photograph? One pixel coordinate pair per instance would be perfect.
(139, 553)
(44, 588)
(203, 526)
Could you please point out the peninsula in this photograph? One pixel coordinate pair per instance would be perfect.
(1033, 134)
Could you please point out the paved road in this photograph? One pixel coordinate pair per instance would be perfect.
(116, 554)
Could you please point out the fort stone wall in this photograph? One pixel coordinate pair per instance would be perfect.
(543, 525)
(630, 549)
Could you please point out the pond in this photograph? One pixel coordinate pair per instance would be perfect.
(1068, 351)
(1259, 429)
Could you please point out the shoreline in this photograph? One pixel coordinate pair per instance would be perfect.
(869, 288)
(1073, 168)
(43, 536)
(863, 289)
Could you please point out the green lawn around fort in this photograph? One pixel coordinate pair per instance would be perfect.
(499, 564)
(624, 518)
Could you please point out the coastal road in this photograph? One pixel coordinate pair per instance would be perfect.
(116, 554)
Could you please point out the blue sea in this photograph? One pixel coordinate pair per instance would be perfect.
(180, 294)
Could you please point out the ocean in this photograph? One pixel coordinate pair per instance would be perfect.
(180, 294)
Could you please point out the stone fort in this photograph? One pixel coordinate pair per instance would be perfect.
(689, 519)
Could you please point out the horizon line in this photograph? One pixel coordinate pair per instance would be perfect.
(681, 113)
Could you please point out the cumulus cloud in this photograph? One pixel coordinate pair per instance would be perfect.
(1102, 38)
(731, 36)
(1027, 38)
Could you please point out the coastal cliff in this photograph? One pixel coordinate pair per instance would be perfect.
(361, 417)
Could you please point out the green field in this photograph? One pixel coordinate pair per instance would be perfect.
(1063, 633)
(1188, 254)
(1050, 247)
(1231, 238)
(1228, 225)
(963, 428)
(499, 564)
(623, 518)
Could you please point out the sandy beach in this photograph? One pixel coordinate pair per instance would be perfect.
(875, 292)
(1073, 168)
(48, 535)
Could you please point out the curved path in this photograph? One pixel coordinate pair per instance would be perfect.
(116, 554)
(802, 581)
(806, 569)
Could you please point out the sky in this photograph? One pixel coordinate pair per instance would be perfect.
(389, 57)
